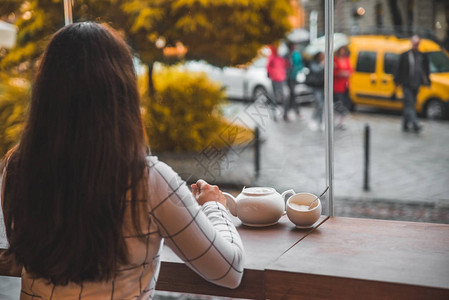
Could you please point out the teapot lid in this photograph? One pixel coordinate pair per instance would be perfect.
(257, 191)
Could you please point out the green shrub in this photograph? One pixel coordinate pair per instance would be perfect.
(185, 114)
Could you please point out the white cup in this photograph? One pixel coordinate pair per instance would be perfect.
(298, 210)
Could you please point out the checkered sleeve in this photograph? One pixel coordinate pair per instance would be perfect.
(202, 236)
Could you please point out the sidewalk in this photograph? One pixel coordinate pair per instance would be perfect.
(404, 169)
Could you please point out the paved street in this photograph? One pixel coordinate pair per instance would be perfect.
(408, 175)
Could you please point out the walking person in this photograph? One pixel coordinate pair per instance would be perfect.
(315, 79)
(86, 208)
(342, 72)
(295, 65)
(412, 72)
(277, 72)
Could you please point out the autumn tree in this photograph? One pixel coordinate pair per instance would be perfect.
(37, 20)
(222, 32)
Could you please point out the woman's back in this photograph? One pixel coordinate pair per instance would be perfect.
(81, 199)
(207, 252)
(76, 159)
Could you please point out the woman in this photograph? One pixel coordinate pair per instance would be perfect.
(342, 71)
(277, 72)
(86, 210)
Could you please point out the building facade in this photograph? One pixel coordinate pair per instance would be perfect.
(425, 17)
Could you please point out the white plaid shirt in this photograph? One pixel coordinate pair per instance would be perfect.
(204, 237)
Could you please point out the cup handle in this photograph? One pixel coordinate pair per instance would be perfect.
(290, 191)
(286, 193)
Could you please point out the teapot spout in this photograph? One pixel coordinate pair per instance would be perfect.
(231, 203)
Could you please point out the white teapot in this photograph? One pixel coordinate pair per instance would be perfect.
(257, 206)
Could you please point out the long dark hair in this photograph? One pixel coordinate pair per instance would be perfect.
(80, 160)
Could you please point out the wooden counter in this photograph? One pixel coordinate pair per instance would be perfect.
(341, 258)
(262, 245)
(347, 258)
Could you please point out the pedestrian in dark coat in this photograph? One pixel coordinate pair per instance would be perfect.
(413, 71)
(295, 65)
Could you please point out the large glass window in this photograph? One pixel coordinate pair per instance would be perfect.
(288, 151)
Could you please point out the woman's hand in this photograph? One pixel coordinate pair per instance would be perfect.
(205, 192)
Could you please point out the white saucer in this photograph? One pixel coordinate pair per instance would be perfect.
(259, 225)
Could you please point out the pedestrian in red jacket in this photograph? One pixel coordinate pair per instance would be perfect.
(342, 71)
(277, 72)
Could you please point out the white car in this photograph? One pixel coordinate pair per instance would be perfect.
(248, 82)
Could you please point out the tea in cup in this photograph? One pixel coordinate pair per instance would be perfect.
(298, 210)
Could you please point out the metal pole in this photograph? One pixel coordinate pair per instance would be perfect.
(366, 169)
(257, 151)
(68, 12)
(328, 99)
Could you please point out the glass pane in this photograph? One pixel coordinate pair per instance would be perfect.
(383, 169)
(288, 153)
(366, 62)
(390, 62)
(439, 62)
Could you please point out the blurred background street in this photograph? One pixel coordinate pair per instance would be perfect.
(195, 130)
(408, 172)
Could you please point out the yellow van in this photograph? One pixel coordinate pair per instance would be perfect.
(375, 59)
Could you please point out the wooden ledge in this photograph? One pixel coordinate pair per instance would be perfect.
(341, 258)
(371, 259)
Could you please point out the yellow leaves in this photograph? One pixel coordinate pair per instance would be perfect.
(39, 20)
(17, 82)
(142, 83)
(192, 22)
(184, 115)
(192, 3)
(281, 9)
(147, 18)
(229, 32)
(14, 98)
(26, 6)
(134, 6)
(145, 15)
(18, 54)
